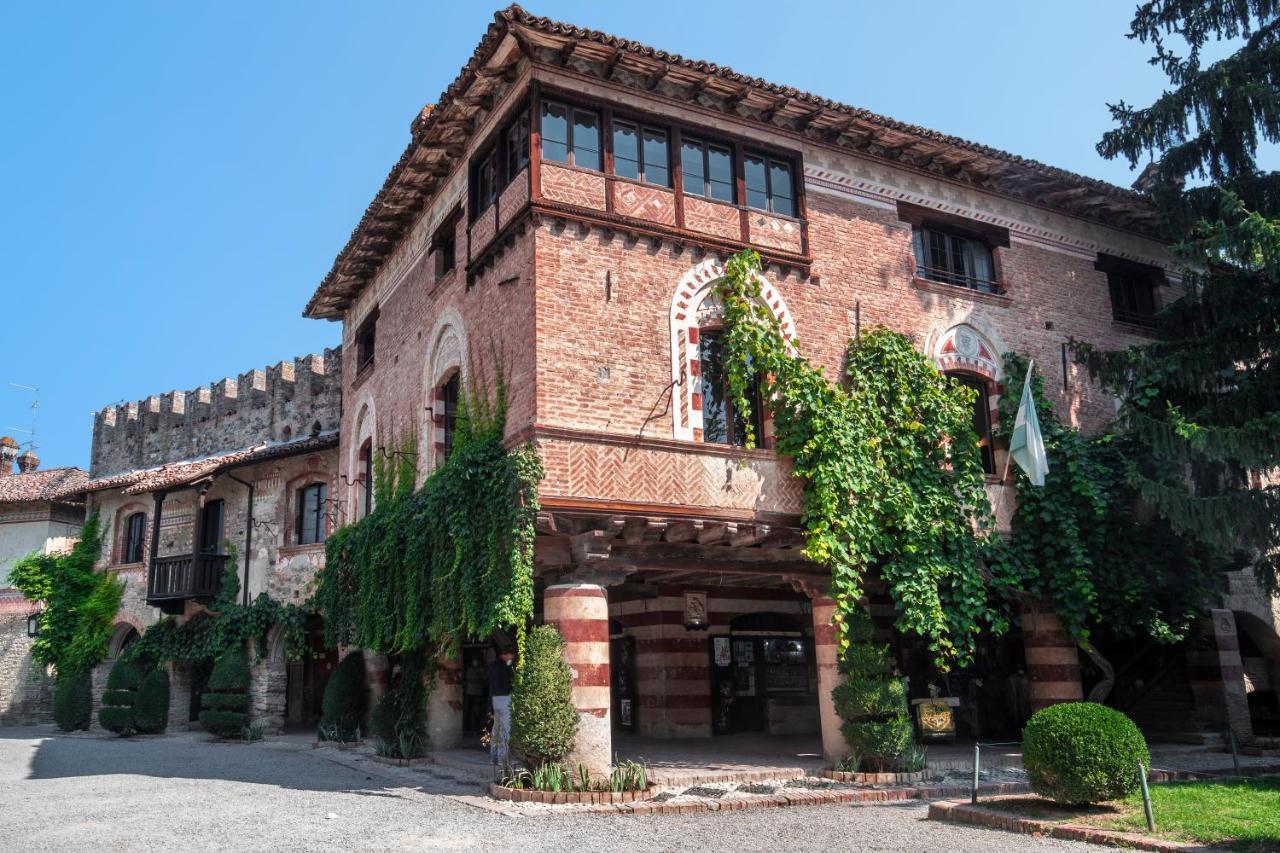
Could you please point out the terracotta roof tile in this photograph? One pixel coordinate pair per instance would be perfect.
(51, 484)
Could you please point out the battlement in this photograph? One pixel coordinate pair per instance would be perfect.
(281, 401)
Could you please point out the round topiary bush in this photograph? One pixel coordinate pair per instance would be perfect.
(151, 704)
(543, 719)
(72, 701)
(116, 713)
(1082, 752)
(346, 700)
(225, 706)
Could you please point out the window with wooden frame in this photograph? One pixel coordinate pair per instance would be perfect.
(499, 164)
(447, 400)
(1133, 295)
(571, 135)
(707, 170)
(722, 423)
(981, 418)
(641, 153)
(310, 524)
(365, 477)
(769, 184)
(135, 534)
(366, 338)
(212, 517)
(950, 257)
(444, 244)
(516, 146)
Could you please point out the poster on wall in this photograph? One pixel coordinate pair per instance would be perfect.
(721, 647)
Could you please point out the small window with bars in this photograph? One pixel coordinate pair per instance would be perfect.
(1133, 296)
(951, 258)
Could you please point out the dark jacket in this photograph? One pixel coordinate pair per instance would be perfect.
(501, 674)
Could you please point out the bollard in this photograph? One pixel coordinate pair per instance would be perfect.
(977, 758)
(1146, 798)
(1235, 756)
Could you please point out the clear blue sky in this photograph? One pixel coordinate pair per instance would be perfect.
(175, 178)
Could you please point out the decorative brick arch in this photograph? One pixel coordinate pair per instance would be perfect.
(365, 430)
(966, 347)
(688, 313)
(119, 532)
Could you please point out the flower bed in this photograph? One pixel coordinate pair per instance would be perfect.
(594, 798)
(872, 778)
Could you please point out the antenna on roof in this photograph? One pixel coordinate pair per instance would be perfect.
(30, 443)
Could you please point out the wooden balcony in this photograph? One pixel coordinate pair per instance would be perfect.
(173, 580)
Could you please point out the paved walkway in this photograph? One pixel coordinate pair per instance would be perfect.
(181, 792)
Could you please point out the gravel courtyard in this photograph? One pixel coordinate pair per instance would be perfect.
(87, 792)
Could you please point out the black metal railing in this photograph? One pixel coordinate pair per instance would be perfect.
(945, 276)
(185, 576)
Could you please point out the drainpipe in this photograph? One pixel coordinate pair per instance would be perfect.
(248, 540)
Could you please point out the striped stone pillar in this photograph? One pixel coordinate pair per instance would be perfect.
(444, 705)
(824, 651)
(1217, 676)
(1053, 665)
(580, 612)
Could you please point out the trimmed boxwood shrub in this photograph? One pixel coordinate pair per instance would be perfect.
(225, 705)
(116, 713)
(543, 720)
(346, 699)
(872, 702)
(151, 704)
(1082, 752)
(72, 701)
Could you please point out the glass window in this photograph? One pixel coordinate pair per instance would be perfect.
(366, 478)
(757, 181)
(721, 422)
(586, 139)
(768, 182)
(952, 259)
(517, 146)
(657, 169)
(311, 512)
(555, 132)
(981, 419)
(719, 173)
(693, 168)
(135, 534)
(1133, 297)
(626, 150)
(707, 169)
(366, 337)
(448, 401)
(781, 198)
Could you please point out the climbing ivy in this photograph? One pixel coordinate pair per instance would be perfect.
(1083, 543)
(451, 559)
(79, 604)
(226, 625)
(893, 478)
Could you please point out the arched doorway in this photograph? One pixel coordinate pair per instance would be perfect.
(305, 679)
(1260, 662)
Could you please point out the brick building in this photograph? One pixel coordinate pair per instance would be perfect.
(179, 478)
(568, 201)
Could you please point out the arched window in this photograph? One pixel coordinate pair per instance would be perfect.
(981, 418)
(722, 423)
(366, 477)
(311, 500)
(135, 534)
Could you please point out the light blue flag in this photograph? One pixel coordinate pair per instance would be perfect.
(1026, 447)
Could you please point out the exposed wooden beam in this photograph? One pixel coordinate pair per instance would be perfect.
(803, 122)
(835, 131)
(748, 535)
(683, 531)
(772, 110)
(716, 532)
(698, 87)
(651, 82)
(612, 62)
(731, 102)
(566, 51)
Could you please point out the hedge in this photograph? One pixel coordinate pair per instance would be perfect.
(151, 705)
(225, 706)
(346, 699)
(72, 701)
(117, 711)
(1082, 752)
(543, 720)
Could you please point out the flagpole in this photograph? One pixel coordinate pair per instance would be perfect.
(1008, 457)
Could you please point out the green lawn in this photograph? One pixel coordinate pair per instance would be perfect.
(1243, 814)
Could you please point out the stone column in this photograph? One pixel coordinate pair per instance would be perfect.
(444, 705)
(268, 682)
(377, 673)
(97, 686)
(179, 697)
(1217, 676)
(580, 612)
(825, 650)
(1053, 664)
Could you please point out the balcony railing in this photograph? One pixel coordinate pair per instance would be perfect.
(177, 578)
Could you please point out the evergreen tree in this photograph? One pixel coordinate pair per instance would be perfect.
(1201, 403)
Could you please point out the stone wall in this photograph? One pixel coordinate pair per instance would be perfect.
(275, 403)
(26, 687)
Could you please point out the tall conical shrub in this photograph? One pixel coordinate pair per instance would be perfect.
(346, 699)
(151, 704)
(117, 711)
(72, 700)
(543, 719)
(225, 706)
(872, 702)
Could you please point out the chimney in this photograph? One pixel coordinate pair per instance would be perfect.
(8, 452)
(28, 462)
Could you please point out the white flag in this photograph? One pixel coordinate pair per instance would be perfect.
(1026, 447)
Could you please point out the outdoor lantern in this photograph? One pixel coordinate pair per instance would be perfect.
(33, 624)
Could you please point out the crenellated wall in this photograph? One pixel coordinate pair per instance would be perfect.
(284, 400)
